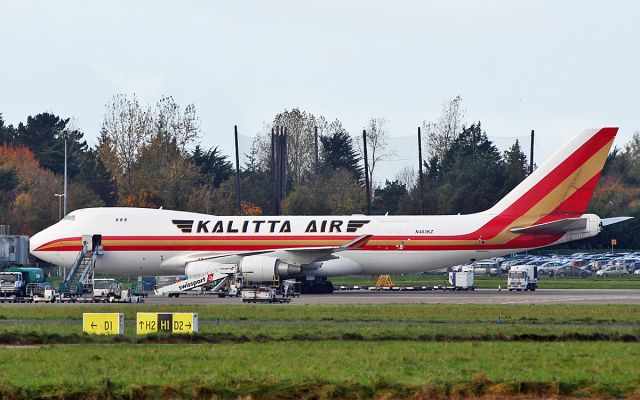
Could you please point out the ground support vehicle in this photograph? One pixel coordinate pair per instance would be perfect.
(21, 285)
(522, 277)
(461, 280)
(263, 294)
(111, 291)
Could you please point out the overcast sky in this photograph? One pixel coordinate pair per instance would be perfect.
(553, 66)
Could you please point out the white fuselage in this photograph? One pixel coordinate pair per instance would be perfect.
(151, 242)
(547, 208)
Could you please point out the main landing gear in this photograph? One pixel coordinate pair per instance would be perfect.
(316, 286)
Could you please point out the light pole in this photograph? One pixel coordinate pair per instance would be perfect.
(65, 175)
(59, 196)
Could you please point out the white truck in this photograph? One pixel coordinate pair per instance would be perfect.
(110, 290)
(462, 279)
(523, 277)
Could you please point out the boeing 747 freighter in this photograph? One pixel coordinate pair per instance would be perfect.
(547, 208)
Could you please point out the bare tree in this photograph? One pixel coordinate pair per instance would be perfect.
(407, 176)
(377, 145)
(174, 125)
(300, 141)
(439, 134)
(126, 128)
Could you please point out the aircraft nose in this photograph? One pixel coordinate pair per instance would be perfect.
(35, 242)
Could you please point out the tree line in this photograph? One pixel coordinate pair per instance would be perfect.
(150, 156)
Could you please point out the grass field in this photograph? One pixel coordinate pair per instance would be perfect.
(327, 351)
(513, 313)
(335, 369)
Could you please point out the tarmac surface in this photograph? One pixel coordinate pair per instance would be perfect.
(479, 296)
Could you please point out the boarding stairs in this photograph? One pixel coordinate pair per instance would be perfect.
(215, 280)
(81, 273)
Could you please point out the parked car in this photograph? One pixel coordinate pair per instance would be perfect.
(613, 270)
(550, 266)
(631, 264)
(568, 269)
(599, 263)
(486, 267)
(580, 262)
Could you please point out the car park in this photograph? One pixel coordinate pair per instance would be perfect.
(613, 270)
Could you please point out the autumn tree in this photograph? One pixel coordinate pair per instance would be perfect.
(336, 193)
(148, 149)
(126, 128)
(32, 203)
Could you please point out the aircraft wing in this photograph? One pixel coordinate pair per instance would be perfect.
(560, 226)
(296, 255)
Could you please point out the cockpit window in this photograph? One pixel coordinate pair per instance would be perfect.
(70, 217)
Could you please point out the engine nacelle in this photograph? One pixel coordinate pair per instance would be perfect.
(594, 226)
(204, 267)
(263, 268)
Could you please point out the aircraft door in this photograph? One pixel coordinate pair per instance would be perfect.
(96, 241)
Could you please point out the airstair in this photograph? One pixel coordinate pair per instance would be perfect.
(214, 279)
(81, 272)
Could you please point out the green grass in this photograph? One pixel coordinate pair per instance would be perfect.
(511, 313)
(491, 282)
(327, 351)
(335, 369)
(51, 333)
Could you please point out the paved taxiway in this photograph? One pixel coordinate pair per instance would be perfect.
(480, 296)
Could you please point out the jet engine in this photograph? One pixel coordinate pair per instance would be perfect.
(263, 268)
(592, 227)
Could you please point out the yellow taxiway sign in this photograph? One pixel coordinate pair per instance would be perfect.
(166, 322)
(103, 323)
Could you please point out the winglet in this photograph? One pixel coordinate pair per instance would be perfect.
(356, 243)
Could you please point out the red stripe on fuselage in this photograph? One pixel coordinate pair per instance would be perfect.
(284, 242)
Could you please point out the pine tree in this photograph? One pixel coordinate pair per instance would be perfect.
(338, 153)
(515, 167)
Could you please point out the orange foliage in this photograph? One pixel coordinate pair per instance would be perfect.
(19, 157)
(248, 208)
(145, 198)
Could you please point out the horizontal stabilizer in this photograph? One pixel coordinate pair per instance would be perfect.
(560, 226)
(614, 220)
